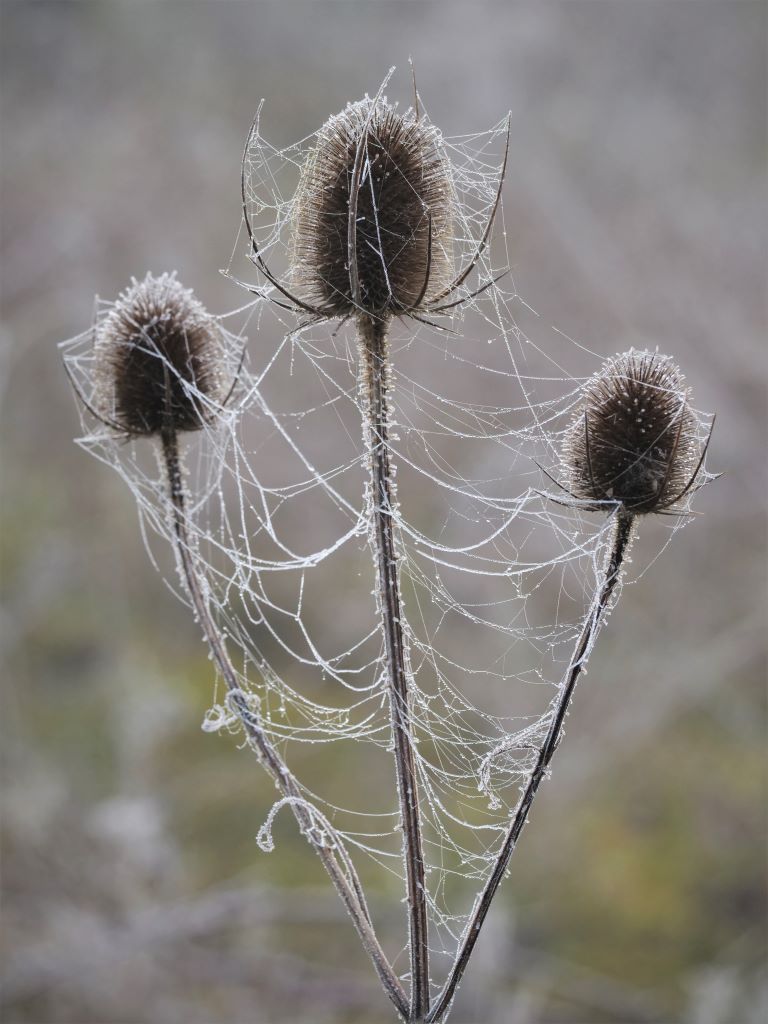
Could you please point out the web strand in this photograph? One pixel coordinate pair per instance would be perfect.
(497, 577)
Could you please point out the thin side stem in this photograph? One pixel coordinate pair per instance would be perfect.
(373, 338)
(621, 539)
(344, 878)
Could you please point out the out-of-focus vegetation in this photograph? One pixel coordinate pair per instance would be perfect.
(133, 890)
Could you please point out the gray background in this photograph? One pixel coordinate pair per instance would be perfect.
(635, 212)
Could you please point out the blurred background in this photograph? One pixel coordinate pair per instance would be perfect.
(635, 209)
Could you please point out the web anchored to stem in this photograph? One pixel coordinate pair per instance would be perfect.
(456, 650)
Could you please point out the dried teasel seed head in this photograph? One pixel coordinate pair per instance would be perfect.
(158, 360)
(393, 168)
(635, 439)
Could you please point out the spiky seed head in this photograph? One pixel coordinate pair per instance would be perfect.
(404, 182)
(634, 439)
(158, 359)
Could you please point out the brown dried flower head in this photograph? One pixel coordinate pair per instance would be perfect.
(635, 440)
(158, 360)
(392, 169)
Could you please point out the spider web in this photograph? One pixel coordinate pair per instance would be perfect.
(497, 577)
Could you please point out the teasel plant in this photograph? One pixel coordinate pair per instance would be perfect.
(373, 227)
(633, 449)
(372, 240)
(159, 372)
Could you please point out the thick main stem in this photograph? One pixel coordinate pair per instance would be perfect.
(373, 339)
(621, 538)
(344, 878)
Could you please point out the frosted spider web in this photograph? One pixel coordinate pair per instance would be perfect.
(497, 574)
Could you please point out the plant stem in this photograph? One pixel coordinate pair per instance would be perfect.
(342, 874)
(373, 338)
(621, 538)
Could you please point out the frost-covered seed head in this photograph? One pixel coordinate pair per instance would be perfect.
(158, 359)
(634, 440)
(404, 180)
